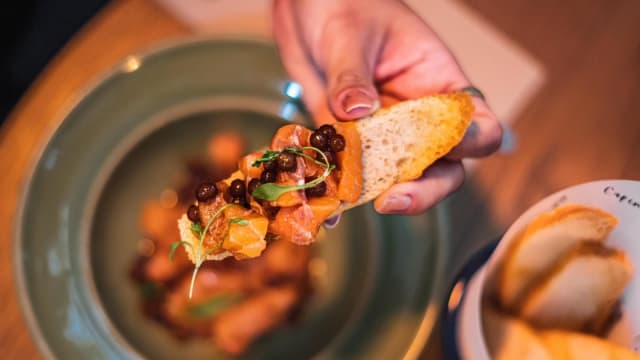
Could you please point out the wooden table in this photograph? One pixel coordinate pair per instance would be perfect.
(584, 125)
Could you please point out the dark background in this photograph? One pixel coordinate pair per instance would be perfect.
(31, 33)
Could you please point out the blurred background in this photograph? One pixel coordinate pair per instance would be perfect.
(564, 77)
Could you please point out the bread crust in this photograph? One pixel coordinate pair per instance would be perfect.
(542, 242)
(401, 141)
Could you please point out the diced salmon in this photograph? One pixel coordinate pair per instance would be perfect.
(300, 224)
(322, 208)
(294, 224)
(246, 165)
(246, 240)
(299, 218)
(332, 186)
(290, 136)
(350, 163)
(291, 198)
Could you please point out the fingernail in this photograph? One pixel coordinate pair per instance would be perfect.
(332, 222)
(396, 203)
(357, 102)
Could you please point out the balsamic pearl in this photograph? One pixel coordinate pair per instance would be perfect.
(286, 161)
(268, 176)
(336, 143)
(206, 191)
(237, 189)
(327, 130)
(193, 213)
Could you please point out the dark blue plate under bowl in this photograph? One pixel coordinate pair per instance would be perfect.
(449, 316)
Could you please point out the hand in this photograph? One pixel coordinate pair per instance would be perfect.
(352, 55)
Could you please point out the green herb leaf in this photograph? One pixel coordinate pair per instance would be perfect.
(299, 152)
(199, 255)
(213, 306)
(197, 229)
(239, 221)
(267, 156)
(174, 247)
(272, 191)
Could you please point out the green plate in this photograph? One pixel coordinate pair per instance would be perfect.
(124, 142)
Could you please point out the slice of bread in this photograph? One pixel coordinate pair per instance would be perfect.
(397, 142)
(184, 225)
(577, 346)
(509, 338)
(400, 141)
(581, 289)
(543, 242)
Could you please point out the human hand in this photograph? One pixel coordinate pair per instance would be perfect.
(350, 56)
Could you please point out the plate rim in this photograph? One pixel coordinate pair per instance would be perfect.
(19, 277)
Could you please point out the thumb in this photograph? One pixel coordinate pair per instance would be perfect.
(348, 55)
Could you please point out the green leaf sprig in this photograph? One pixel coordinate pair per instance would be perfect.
(272, 191)
(239, 221)
(267, 156)
(200, 255)
(197, 229)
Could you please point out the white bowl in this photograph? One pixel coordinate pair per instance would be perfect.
(619, 197)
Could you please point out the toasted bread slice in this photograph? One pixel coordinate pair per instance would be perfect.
(509, 338)
(572, 345)
(582, 288)
(400, 141)
(582, 291)
(543, 242)
(397, 142)
(186, 235)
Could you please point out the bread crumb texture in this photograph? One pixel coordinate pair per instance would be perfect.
(400, 141)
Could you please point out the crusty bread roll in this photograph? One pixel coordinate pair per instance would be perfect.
(510, 338)
(582, 288)
(568, 345)
(543, 242)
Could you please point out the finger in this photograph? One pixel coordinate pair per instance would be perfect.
(413, 197)
(296, 60)
(483, 136)
(349, 48)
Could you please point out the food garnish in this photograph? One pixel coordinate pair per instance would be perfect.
(271, 191)
(200, 254)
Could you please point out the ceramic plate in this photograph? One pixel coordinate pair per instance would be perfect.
(124, 142)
